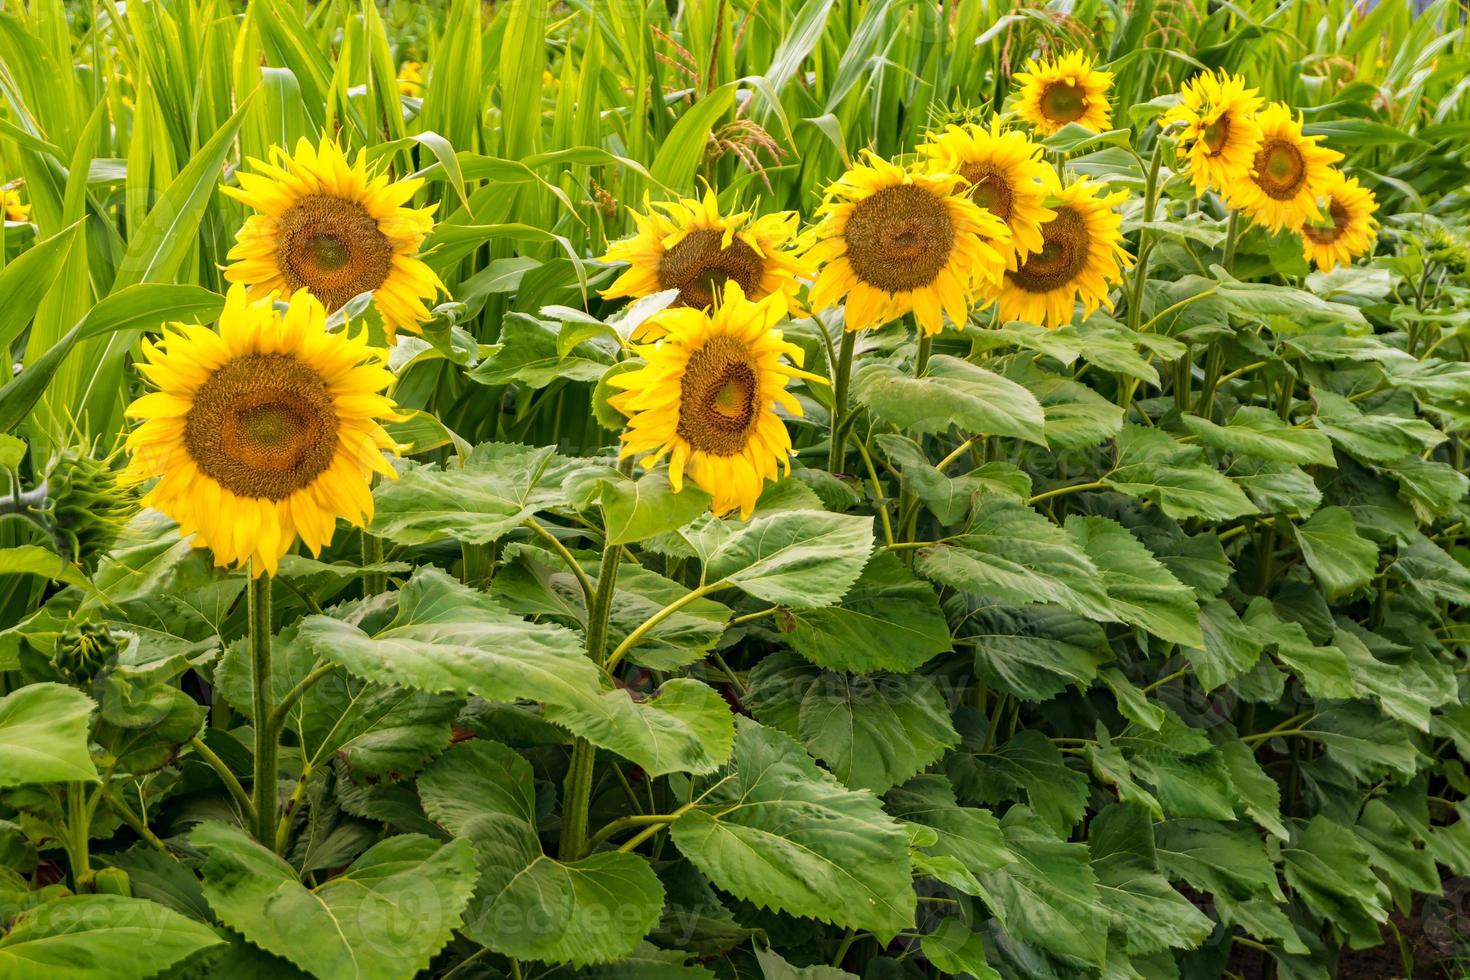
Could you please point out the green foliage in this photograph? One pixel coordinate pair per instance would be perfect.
(1135, 648)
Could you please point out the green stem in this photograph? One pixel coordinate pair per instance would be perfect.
(636, 637)
(1145, 238)
(478, 564)
(1232, 238)
(283, 708)
(372, 554)
(631, 844)
(1063, 491)
(566, 556)
(577, 789)
(78, 832)
(232, 783)
(264, 786)
(921, 362)
(842, 375)
(621, 824)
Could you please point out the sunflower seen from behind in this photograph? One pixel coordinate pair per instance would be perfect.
(331, 227)
(1055, 92)
(1081, 257)
(895, 240)
(1220, 136)
(1287, 174)
(1005, 174)
(690, 246)
(706, 394)
(262, 432)
(1347, 225)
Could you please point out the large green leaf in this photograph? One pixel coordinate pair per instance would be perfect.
(951, 392)
(528, 905)
(495, 491)
(1048, 897)
(685, 726)
(1328, 868)
(888, 620)
(1033, 652)
(1342, 560)
(1029, 767)
(777, 831)
(970, 836)
(873, 732)
(384, 917)
(1140, 589)
(803, 559)
(1152, 465)
(99, 937)
(1261, 432)
(447, 637)
(1013, 554)
(43, 736)
(1147, 915)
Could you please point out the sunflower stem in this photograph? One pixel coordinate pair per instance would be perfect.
(577, 790)
(921, 362)
(1232, 237)
(372, 554)
(264, 788)
(842, 373)
(1145, 238)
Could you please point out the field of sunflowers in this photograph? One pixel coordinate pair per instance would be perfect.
(740, 489)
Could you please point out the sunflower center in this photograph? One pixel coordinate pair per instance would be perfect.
(717, 398)
(699, 268)
(1063, 102)
(1281, 170)
(262, 426)
(332, 248)
(1326, 234)
(899, 238)
(990, 188)
(1065, 244)
(1217, 134)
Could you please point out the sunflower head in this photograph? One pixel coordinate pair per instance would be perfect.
(328, 226)
(411, 79)
(11, 206)
(1220, 136)
(1287, 175)
(1346, 227)
(1005, 174)
(1081, 257)
(1054, 92)
(896, 240)
(706, 397)
(690, 246)
(263, 431)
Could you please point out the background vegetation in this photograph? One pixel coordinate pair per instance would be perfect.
(1130, 649)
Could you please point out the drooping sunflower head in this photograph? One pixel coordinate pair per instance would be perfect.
(706, 398)
(690, 246)
(1287, 174)
(1054, 92)
(1005, 174)
(1221, 137)
(411, 79)
(895, 240)
(12, 206)
(329, 226)
(1347, 226)
(1081, 257)
(266, 430)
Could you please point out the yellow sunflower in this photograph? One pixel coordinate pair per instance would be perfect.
(1057, 91)
(894, 240)
(262, 432)
(1220, 136)
(706, 398)
(330, 227)
(1347, 227)
(689, 246)
(1286, 176)
(411, 79)
(1081, 256)
(1005, 173)
(11, 205)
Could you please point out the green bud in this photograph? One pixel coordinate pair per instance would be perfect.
(83, 649)
(112, 881)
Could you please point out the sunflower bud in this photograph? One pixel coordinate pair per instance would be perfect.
(85, 507)
(82, 649)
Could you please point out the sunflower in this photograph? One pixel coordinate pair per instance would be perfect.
(896, 240)
(329, 227)
(263, 431)
(706, 398)
(1286, 176)
(1221, 136)
(411, 79)
(689, 246)
(11, 206)
(1058, 91)
(1081, 255)
(1005, 174)
(1347, 226)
